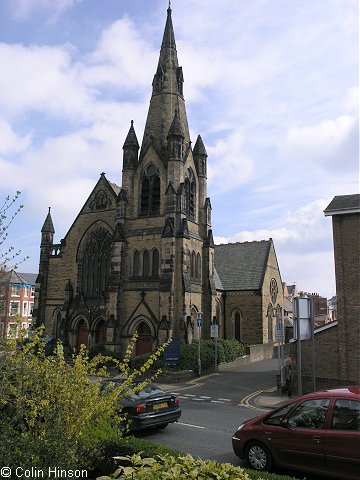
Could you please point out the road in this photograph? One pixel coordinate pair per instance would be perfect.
(212, 408)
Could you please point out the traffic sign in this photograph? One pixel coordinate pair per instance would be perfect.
(279, 331)
(214, 331)
(199, 322)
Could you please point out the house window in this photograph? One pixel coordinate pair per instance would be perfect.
(15, 290)
(33, 291)
(198, 266)
(31, 309)
(25, 309)
(14, 308)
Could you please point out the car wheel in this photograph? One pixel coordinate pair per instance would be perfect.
(258, 456)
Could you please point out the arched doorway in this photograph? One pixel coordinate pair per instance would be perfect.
(144, 342)
(100, 333)
(82, 335)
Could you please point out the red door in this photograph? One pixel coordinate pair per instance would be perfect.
(144, 343)
(82, 335)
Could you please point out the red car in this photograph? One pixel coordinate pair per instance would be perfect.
(316, 433)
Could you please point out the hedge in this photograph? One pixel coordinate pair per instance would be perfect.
(146, 460)
(227, 351)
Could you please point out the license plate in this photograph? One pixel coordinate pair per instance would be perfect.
(159, 406)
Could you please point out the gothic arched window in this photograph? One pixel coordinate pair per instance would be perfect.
(155, 263)
(95, 262)
(198, 266)
(190, 193)
(193, 265)
(150, 191)
(136, 264)
(146, 264)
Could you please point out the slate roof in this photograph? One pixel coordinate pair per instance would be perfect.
(27, 278)
(342, 204)
(22, 278)
(241, 266)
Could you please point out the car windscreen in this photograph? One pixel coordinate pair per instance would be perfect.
(146, 392)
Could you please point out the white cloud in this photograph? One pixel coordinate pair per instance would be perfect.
(22, 9)
(229, 166)
(10, 142)
(122, 58)
(40, 79)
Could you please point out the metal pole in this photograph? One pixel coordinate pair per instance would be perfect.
(199, 358)
(298, 356)
(313, 343)
(215, 354)
(199, 331)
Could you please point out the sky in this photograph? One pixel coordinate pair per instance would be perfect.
(270, 85)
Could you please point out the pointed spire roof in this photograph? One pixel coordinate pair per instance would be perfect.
(167, 94)
(168, 37)
(131, 139)
(176, 128)
(199, 147)
(48, 226)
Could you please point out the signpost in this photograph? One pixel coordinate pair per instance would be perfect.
(304, 330)
(279, 336)
(199, 324)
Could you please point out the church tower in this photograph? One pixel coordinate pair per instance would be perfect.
(167, 247)
(139, 257)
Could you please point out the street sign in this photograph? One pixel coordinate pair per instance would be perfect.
(279, 331)
(214, 331)
(199, 322)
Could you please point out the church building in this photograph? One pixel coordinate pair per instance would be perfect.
(141, 257)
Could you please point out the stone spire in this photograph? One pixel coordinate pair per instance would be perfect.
(167, 95)
(48, 226)
(130, 149)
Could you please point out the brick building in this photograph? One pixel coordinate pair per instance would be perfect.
(141, 257)
(337, 344)
(18, 304)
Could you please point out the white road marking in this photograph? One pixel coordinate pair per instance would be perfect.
(189, 395)
(199, 399)
(224, 399)
(203, 396)
(216, 401)
(189, 425)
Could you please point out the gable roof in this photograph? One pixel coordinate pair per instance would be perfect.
(14, 277)
(241, 266)
(343, 204)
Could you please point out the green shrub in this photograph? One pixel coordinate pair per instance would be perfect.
(129, 446)
(182, 467)
(227, 351)
(51, 413)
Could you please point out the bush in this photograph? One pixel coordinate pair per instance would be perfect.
(51, 413)
(166, 466)
(227, 351)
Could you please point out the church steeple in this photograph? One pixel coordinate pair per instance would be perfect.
(131, 148)
(47, 231)
(167, 95)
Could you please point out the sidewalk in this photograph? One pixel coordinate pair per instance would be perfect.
(271, 399)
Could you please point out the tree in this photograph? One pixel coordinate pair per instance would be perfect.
(9, 256)
(54, 414)
(8, 212)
